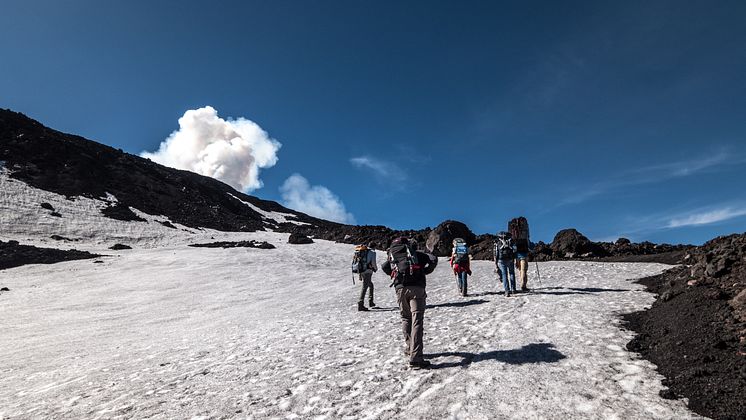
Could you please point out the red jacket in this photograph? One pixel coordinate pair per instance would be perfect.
(460, 268)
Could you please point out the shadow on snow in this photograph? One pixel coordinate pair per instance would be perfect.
(573, 290)
(530, 353)
(457, 304)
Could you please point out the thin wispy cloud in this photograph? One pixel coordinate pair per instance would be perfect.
(679, 219)
(706, 217)
(383, 170)
(686, 168)
(653, 174)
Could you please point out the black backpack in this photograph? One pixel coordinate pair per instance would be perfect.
(403, 259)
(504, 247)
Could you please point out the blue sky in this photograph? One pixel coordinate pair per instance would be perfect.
(616, 118)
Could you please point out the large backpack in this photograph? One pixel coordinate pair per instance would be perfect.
(518, 228)
(504, 246)
(460, 251)
(360, 259)
(403, 259)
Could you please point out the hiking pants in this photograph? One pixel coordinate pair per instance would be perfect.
(523, 271)
(461, 279)
(412, 310)
(507, 273)
(366, 278)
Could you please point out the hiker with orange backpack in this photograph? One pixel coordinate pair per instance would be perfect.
(364, 265)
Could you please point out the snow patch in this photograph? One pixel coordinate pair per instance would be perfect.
(278, 217)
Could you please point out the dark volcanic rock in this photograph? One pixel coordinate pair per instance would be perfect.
(72, 166)
(168, 224)
(47, 206)
(299, 239)
(119, 247)
(12, 254)
(483, 248)
(347, 234)
(61, 238)
(440, 240)
(570, 243)
(239, 244)
(696, 331)
(121, 212)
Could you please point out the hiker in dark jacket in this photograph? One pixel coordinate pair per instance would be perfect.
(408, 267)
(504, 254)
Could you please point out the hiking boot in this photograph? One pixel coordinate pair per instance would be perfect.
(372, 305)
(507, 294)
(361, 307)
(421, 364)
(524, 289)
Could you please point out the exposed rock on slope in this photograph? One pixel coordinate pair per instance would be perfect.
(696, 331)
(12, 254)
(299, 239)
(569, 243)
(73, 166)
(440, 240)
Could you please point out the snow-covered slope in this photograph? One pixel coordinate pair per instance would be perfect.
(180, 332)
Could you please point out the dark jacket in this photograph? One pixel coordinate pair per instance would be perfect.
(426, 262)
(499, 255)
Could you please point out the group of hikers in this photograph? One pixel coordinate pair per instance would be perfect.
(408, 266)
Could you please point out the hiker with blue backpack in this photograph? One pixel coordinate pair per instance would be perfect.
(460, 263)
(504, 255)
(408, 267)
(364, 265)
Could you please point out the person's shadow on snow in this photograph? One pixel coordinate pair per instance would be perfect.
(460, 304)
(573, 290)
(530, 353)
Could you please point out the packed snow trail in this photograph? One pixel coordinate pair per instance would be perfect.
(180, 332)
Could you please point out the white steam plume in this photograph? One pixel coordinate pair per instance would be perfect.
(314, 200)
(231, 151)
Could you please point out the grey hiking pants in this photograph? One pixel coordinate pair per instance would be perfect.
(366, 278)
(412, 309)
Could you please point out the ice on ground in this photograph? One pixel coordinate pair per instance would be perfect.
(181, 332)
(169, 331)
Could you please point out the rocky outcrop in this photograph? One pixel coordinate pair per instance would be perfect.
(72, 166)
(238, 244)
(696, 331)
(13, 254)
(299, 239)
(569, 243)
(440, 240)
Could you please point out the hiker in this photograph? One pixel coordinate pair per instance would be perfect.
(460, 263)
(518, 228)
(504, 254)
(408, 267)
(364, 264)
